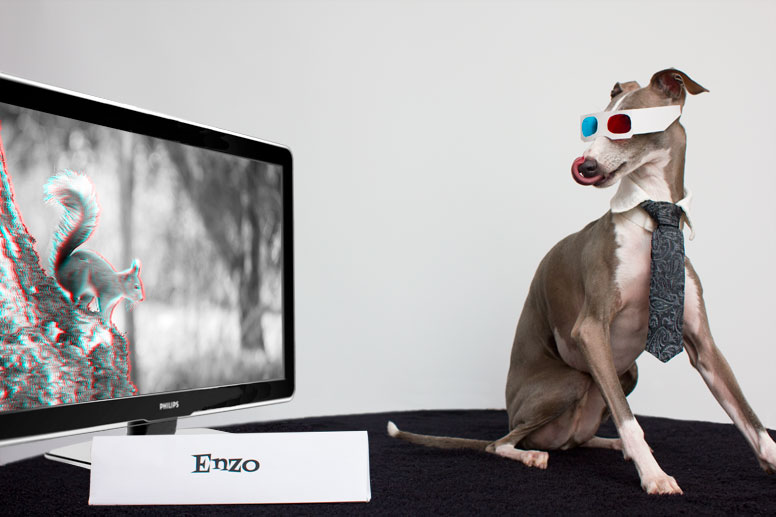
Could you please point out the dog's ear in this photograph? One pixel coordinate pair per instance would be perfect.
(673, 83)
(624, 87)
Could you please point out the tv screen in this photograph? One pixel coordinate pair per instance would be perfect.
(146, 267)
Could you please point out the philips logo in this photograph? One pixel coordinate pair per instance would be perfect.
(169, 405)
(205, 463)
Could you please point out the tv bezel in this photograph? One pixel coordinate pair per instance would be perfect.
(19, 426)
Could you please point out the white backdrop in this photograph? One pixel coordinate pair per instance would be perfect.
(432, 144)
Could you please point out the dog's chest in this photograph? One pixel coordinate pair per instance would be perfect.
(633, 252)
(628, 330)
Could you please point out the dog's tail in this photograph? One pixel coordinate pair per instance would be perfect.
(441, 442)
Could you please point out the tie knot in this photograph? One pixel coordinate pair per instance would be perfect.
(663, 212)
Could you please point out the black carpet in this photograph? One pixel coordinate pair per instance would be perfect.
(711, 462)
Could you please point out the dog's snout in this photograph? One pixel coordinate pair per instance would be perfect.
(585, 171)
(588, 168)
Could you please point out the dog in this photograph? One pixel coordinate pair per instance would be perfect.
(585, 319)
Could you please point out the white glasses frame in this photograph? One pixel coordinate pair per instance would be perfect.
(643, 120)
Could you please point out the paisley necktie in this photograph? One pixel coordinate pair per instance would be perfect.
(666, 284)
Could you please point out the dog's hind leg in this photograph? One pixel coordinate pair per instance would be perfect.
(530, 458)
(596, 442)
(542, 411)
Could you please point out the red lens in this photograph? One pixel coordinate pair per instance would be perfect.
(619, 124)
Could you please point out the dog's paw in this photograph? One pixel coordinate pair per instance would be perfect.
(536, 459)
(768, 466)
(662, 484)
(767, 455)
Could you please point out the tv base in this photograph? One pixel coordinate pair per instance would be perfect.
(80, 454)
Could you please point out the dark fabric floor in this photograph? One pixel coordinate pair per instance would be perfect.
(711, 462)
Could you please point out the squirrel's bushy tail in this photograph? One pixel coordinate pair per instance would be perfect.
(75, 192)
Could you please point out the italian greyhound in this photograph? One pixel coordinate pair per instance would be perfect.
(585, 318)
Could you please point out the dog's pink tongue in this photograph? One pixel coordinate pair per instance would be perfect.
(579, 178)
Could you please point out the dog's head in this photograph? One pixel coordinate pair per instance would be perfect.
(610, 158)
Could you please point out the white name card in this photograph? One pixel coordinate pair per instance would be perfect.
(230, 468)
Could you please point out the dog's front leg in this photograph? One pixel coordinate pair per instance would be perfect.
(592, 336)
(715, 370)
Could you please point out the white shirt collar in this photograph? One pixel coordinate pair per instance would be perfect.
(628, 198)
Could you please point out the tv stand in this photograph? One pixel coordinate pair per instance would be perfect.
(80, 454)
(144, 427)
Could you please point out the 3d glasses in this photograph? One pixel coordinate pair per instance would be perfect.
(618, 125)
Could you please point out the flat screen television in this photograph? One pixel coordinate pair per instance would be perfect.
(146, 267)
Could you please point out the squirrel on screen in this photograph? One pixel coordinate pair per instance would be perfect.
(84, 274)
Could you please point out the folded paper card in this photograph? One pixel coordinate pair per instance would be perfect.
(230, 468)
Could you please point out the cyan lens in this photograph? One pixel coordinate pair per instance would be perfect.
(589, 126)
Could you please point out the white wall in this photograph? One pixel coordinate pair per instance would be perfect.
(432, 144)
